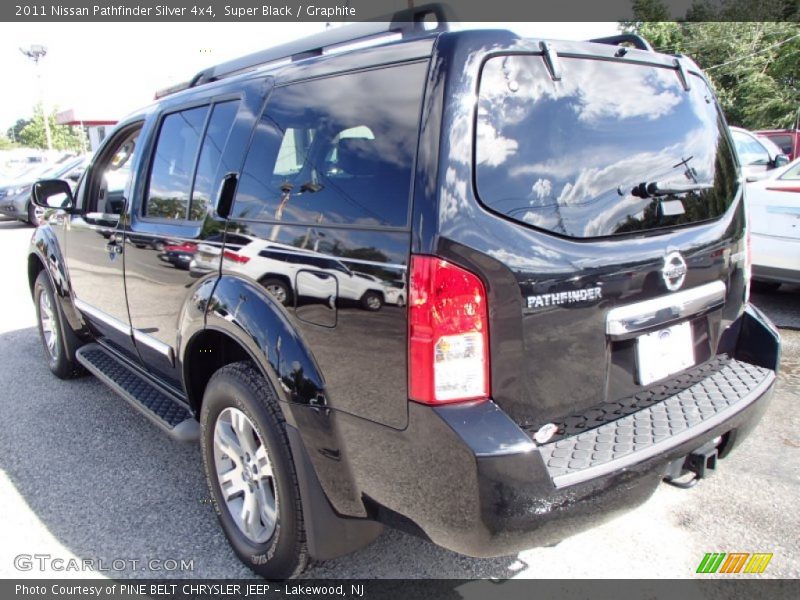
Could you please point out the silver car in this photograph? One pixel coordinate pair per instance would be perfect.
(15, 197)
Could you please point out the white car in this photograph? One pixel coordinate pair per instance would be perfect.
(287, 270)
(758, 155)
(393, 291)
(774, 214)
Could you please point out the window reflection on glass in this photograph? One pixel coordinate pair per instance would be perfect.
(566, 155)
(750, 150)
(337, 150)
(173, 164)
(793, 173)
(206, 181)
(115, 176)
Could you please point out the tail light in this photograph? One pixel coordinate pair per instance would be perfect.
(235, 257)
(448, 338)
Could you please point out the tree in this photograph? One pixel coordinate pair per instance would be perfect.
(6, 144)
(64, 137)
(753, 65)
(14, 131)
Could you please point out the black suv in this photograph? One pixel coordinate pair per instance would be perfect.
(568, 221)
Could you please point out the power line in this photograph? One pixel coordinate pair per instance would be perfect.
(741, 58)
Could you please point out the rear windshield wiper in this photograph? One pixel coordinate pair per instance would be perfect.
(654, 189)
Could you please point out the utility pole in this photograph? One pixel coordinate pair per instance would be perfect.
(36, 52)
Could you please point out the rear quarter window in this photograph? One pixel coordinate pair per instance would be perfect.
(566, 156)
(336, 150)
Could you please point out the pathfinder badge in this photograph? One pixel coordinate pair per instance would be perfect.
(569, 297)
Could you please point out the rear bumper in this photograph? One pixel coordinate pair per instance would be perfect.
(472, 481)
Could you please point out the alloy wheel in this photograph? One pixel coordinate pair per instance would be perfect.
(48, 322)
(245, 475)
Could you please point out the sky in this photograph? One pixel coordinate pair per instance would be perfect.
(107, 70)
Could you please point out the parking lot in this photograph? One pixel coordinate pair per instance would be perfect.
(82, 475)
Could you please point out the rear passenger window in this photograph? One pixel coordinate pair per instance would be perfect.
(337, 150)
(205, 182)
(173, 164)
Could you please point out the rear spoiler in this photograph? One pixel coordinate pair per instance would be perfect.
(636, 41)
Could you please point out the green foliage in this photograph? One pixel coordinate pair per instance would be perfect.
(6, 144)
(754, 66)
(13, 132)
(63, 137)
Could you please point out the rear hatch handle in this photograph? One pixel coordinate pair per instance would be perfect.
(625, 321)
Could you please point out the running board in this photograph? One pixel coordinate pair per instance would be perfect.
(154, 402)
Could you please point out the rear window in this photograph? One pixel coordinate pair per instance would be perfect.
(570, 156)
(784, 142)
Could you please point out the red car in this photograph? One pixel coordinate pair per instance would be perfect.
(787, 139)
(179, 255)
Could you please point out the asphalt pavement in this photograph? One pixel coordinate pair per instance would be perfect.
(83, 477)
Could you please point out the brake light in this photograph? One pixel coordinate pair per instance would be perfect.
(448, 337)
(235, 257)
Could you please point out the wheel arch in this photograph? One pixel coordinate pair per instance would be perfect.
(243, 322)
(44, 254)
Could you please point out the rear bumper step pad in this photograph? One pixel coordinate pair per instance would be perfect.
(656, 429)
(156, 404)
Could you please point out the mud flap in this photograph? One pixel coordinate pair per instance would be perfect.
(327, 534)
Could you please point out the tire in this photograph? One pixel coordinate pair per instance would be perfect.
(32, 215)
(59, 344)
(764, 287)
(240, 416)
(279, 290)
(401, 301)
(371, 301)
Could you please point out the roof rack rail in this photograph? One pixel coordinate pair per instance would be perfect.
(410, 23)
(625, 38)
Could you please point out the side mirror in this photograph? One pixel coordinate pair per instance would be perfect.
(53, 193)
(781, 160)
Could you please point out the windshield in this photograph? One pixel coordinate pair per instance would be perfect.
(577, 156)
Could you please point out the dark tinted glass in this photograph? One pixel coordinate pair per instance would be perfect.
(784, 141)
(566, 155)
(206, 181)
(173, 164)
(335, 150)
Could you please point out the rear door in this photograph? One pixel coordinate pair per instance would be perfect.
(195, 145)
(610, 195)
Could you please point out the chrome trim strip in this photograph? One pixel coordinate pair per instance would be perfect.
(99, 315)
(148, 340)
(671, 442)
(627, 319)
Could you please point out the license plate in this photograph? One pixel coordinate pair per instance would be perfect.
(664, 352)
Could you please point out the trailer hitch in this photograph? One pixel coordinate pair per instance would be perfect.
(699, 464)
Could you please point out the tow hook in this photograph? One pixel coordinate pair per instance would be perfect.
(700, 463)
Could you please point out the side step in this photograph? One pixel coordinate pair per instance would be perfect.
(155, 403)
